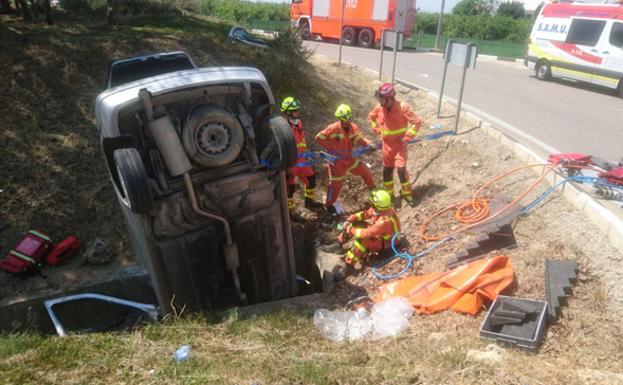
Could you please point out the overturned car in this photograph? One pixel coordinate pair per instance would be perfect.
(197, 162)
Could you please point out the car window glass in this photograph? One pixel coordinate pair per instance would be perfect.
(616, 35)
(585, 32)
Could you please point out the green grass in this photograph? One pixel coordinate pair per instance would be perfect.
(485, 47)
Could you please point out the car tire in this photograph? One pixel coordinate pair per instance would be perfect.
(133, 180)
(366, 38)
(543, 70)
(278, 148)
(620, 89)
(212, 136)
(348, 35)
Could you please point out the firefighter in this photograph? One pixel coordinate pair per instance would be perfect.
(397, 124)
(380, 225)
(291, 107)
(338, 139)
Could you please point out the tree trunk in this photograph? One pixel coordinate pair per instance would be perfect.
(48, 12)
(113, 11)
(33, 9)
(6, 6)
(25, 10)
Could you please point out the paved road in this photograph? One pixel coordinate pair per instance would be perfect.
(563, 115)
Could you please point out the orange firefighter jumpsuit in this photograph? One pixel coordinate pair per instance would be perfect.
(396, 125)
(338, 139)
(304, 172)
(377, 236)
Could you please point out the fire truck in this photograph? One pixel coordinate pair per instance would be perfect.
(364, 20)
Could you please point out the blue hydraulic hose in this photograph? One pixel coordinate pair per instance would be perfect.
(579, 178)
(403, 255)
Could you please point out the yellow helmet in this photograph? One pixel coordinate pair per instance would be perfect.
(344, 112)
(380, 199)
(290, 104)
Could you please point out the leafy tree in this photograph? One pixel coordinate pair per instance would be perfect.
(514, 9)
(476, 7)
(466, 8)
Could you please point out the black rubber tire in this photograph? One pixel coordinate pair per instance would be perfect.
(305, 30)
(366, 38)
(543, 70)
(349, 35)
(279, 146)
(211, 116)
(620, 89)
(133, 180)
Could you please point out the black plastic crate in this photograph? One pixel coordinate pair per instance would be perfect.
(528, 334)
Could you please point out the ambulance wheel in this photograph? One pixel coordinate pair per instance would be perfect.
(348, 35)
(620, 88)
(366, 38)
(543, 71)
(133, 180)
(278, 147)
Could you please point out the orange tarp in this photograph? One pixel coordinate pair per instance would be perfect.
(464, 289)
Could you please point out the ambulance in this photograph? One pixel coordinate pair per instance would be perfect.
(578, 41)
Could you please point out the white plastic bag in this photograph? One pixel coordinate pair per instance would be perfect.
(391, 317)
(332, 324)
(388, 318)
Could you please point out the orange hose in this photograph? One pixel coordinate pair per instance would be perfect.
(476, 211)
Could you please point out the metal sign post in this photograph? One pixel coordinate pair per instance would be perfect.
(382, 47)
(443, 3)
(443, 78)
(339, 59)
(466, 64)
(461, 55)
(396, 41)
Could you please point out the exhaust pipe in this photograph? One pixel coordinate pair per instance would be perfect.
(169, 144)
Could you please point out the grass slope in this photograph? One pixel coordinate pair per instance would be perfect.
(53, 174)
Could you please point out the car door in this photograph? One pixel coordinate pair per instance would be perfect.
(610, 48)
(580, 48)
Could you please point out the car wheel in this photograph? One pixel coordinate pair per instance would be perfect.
(366, 38)
(212, 136)
(305, 31)
(348, 35)
(620, 88)
(279, 146)
(133, 180)
(543, 71)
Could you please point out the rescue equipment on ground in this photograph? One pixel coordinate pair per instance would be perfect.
(28, 254)
(63, 250)
(466, 289)
(35, 248)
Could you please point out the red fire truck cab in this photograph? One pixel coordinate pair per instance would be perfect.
(364, 20)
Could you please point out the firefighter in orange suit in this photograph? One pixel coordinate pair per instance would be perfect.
(291, 108)
(397, 124)
(338, 139)
(381, 225)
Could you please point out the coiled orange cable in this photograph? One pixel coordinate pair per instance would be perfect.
(477, 211)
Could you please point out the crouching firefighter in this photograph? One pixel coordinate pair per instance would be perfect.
(397, 124)
(372, 229)
(338, 139)
(290, 107)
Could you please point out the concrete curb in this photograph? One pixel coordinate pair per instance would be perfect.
(604, 219)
